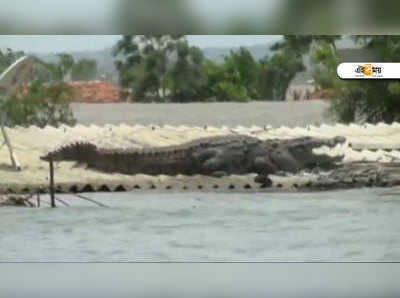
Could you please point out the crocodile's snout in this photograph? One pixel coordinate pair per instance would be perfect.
(339, 140)
(335, 141)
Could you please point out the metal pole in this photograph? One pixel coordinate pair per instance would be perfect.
(52, 190)
(38, 200)
(13, 157)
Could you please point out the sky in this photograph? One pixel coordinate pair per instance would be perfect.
(68, 43)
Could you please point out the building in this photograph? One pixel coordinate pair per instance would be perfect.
(96, 92)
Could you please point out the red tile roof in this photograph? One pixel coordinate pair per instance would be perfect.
(96, 91)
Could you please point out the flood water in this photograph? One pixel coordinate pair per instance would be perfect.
(354, 225)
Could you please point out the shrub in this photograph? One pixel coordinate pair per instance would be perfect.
(41, 105)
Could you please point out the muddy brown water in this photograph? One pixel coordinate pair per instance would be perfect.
(352, 225)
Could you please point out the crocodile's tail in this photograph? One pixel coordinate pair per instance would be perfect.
(78, 151)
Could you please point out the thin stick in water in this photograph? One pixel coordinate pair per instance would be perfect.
(88, 199)
(62, 201)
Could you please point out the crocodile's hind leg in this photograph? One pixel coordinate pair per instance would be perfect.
(210, 163)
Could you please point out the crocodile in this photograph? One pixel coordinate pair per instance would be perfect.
(212, 156)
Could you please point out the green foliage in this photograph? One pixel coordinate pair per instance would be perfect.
(8, 57)
(264, 77)
(156, 50)
(371, 100)
(68, 69)
(213, 74)
(127, 64)
(387, 47)
(186, 77)
(278, 72)
(234, 80)
(298, 45)
(242, 70)
(394, 88)
(326, 60)
(167, 68)
(367, 100)
(84, 70)
(60, 70)
(145, 63)
(226, 90)
(41, 106)
(288, 61)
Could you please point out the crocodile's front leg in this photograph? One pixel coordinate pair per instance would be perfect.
(263, 167)
(219, 174)
(223, 161)
(264, 180)
(207, 161)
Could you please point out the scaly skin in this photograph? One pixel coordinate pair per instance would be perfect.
(212, 156)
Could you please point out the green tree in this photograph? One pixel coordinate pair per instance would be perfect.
(297, 45)
(223, 82)
(326, 59)
(279, 71)
(229, 91)
(84, 70)
(242, 69)
(264, 80)
(186, 75)
(42, 105)
(38, 103)
(213, 74)
(368, 100)
(8, 57)
(60, 70)
(66, 68)
(144, 63)
(233, 80)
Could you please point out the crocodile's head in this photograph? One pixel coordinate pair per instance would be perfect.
(72, 152)
(298, 154)
(307, 144)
